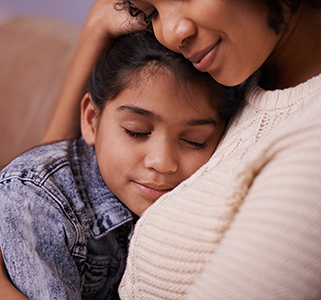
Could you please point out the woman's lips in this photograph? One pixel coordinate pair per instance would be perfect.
(204, 63)
(152, 190)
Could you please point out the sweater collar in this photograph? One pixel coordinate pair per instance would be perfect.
(281, 98)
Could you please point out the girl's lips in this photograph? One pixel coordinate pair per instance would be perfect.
(151, 190)
(206, 61)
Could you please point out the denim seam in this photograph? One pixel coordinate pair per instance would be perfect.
(73, 220)
(54, 168)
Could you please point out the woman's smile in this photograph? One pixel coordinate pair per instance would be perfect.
(198, 29)
(203, 60)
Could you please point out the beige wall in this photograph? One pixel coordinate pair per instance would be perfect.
(70, 10)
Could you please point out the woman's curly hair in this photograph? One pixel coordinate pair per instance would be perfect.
(132, 9)
(275, 19)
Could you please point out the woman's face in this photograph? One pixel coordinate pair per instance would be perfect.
(230, 39)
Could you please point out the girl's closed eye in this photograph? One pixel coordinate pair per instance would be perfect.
(144, 135)
(135, 134)
(197, 145)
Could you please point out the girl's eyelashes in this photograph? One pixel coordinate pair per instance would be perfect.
(137, 134)
(196, 145)
(143, 135)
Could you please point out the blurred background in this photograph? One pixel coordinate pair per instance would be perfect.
(69, 10)
(37, 42)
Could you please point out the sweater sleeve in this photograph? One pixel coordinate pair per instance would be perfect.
(247, 224)
(272, 248)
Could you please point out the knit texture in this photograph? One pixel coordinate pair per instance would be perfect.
(247, 225)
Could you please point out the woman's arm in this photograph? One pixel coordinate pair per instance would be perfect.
(104, 23)
(8, 291)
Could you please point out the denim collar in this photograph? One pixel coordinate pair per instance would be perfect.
(104, 210)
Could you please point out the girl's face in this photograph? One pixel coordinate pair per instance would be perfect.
(151, 138)
(230, 39)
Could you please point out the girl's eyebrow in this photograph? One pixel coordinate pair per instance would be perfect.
(150, 114)
(200, 122)
(137, 110)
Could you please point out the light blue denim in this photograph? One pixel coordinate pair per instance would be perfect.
(63, 234)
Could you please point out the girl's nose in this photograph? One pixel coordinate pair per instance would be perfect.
(174, 31)
(161, 158)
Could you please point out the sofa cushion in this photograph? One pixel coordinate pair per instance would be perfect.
(35, 54)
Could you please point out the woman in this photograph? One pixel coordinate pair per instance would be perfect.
(246, 225)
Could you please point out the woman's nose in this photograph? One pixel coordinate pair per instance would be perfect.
(162, 158)
(174, 31)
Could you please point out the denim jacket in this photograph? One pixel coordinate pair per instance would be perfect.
(63, 234)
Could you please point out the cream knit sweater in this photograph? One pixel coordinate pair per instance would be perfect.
(247, 225)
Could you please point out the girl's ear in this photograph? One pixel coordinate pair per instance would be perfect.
(89, 122)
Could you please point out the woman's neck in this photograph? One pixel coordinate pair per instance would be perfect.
(297, 56)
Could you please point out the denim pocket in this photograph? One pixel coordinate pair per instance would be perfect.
(96, 276)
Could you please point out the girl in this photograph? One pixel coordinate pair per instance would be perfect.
(247, 225)
(149, 121)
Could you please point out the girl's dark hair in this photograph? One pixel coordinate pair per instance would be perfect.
(275, 18)
(136, 52)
